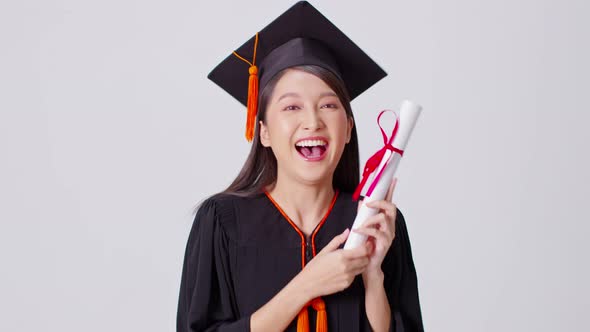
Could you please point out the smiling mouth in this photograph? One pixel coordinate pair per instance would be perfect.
(312, 149)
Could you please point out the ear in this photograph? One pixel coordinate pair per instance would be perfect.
(349, 129)
(264, 136)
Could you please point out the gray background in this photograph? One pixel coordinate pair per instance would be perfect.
(110, 133)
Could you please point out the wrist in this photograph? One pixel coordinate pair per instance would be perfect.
(303, 290)
(372, 278)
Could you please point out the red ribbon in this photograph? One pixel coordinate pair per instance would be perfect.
(375, 160)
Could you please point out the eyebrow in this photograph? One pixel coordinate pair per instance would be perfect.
(293, 94)
(328, 94)
(288, 94)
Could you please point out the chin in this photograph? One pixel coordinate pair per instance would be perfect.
(314, 177)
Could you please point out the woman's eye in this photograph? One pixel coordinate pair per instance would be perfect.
(291, 108)
(330, 106)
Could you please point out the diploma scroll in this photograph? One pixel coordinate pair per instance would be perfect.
(383, 175)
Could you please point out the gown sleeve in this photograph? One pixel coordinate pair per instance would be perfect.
(401, 283)
(207, 299)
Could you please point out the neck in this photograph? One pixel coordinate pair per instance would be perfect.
(305, 203)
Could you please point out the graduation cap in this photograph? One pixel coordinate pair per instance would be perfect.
(300, 36)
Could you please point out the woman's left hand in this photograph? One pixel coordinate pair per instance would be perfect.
(380, 230)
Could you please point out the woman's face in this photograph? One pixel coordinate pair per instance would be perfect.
(306, 127)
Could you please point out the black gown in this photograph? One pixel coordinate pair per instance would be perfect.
(243, 251)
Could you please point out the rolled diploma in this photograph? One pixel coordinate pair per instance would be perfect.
(408, 117)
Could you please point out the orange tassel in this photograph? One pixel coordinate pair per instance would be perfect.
(322, 317)
(252, 102)
(321, 324)
(252, 106)
(303, 320)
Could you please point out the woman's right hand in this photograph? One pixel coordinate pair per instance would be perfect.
(333, 270)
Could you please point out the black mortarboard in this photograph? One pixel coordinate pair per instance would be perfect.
(300, 36)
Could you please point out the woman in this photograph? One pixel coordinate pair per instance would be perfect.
(264, 254)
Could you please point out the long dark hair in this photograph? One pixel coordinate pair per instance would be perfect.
(260, 168)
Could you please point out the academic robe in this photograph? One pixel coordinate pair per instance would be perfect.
(242, 251)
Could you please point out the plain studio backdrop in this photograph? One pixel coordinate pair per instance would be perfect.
(110, 133)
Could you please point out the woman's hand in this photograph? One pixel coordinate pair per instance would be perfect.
(380, 230)
(333, 270)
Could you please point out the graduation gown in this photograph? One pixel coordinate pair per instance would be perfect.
(242, 251)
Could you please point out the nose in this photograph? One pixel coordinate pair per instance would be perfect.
(312, 120)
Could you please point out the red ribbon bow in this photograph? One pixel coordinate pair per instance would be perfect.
(375, 160)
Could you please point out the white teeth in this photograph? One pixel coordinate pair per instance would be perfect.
(312, 142)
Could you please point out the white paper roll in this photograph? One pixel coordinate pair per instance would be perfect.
(408, 117)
